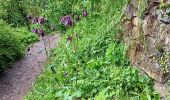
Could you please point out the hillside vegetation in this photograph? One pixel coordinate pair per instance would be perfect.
(90, 60)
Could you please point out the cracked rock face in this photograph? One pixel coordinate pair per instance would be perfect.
(152, 32)
(163, 16)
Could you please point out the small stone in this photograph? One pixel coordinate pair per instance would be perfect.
(135, 21)
(159, 17)
(167, 39)
(40, 50)
(135, 33)
(166, 19)
(157, 65)
(158, 55)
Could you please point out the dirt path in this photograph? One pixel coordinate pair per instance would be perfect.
(15, 82)
(163, 89)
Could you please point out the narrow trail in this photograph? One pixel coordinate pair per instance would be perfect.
(163, 89)
(15, 82)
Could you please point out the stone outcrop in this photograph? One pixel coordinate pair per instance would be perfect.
(147, 34)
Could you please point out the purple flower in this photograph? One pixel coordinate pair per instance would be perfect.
(62, 19)
(66, 20)
(35, 31)
(35, 20)
(41, 20)
(41, 33)
(84, 13)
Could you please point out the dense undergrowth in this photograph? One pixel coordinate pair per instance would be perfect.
(90, 63)
(13, 42)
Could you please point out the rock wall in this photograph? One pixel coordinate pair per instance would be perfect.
(147, 34)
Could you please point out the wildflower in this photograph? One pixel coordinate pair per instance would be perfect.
(84, 13)
(35, 30)
(62, 19)
(41, 20)
(35, 20)
(41, 33)
(66, 20)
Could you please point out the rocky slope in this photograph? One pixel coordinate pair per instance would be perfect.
(147, 34)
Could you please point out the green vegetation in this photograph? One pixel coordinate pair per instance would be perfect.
(25, 36)
(13, 43)
(91, 63)
(13, 12)
(11, 47)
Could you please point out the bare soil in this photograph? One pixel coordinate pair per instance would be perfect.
(16, 81)
(163, 89)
